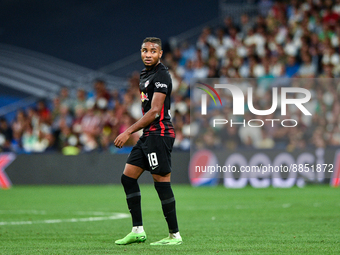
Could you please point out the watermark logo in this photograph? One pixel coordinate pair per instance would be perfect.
(204, 97)
(238, 99)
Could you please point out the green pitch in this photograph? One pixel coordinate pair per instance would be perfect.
(74, 220)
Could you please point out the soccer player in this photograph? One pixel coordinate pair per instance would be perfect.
(153, 150)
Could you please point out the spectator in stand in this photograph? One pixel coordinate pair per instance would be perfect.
(64, 118)
(250, 137)
(91, 128)
(200, 70)
(287, 39)
(66, 99)
(33, 118)
(43, 112)
(330, 17)
(6, 135)
(55, 108)
(189, 71)
(292, 67)
(187, 53)
(80, 101)
(307, 69)
(35, 140)
(78, 117)
(229, 24)
(125, 122)
(18, 126)
(67, 138)
(246, 25)
(101, 95)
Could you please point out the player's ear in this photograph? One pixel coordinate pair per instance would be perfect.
(160, 53)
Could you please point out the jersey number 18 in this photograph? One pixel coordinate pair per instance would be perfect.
(153, 162)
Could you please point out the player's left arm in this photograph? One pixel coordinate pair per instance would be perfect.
(154, 113)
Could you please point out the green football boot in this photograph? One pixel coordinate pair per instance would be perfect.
(132, 238)
(168, 241)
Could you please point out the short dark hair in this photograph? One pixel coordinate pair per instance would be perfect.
(153, 40)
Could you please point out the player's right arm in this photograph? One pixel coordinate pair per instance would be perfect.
(154, 112)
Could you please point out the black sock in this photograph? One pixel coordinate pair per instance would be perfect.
(133, 199)
(168, 204)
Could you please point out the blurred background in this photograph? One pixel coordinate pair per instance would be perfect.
(52, 53)
(69, 70)
(69, 76)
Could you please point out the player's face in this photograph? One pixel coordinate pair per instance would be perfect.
(151, 54)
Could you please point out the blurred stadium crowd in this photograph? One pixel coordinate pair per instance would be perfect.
(285, 42)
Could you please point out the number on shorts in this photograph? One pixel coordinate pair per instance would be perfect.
(153, 159)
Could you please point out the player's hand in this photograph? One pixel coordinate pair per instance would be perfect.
(121, 139)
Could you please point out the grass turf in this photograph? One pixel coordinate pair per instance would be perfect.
(211, 220)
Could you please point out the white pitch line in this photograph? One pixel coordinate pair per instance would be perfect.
(44, 212)
(115, 216)
(22, 212)
(93, 213)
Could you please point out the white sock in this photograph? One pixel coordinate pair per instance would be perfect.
(175, 235)
(137, 229)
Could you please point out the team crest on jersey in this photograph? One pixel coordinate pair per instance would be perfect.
(146, 83)
(144, 97)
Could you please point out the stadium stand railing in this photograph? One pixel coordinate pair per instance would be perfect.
(229, 8)
(42, 76)
(131, 62)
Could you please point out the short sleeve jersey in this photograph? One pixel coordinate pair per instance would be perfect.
(154, 80)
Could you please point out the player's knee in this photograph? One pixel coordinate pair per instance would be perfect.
(122, 179)
(126, 180)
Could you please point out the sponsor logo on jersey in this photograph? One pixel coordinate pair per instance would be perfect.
(147, 83)
(160, 85)
(144, 97)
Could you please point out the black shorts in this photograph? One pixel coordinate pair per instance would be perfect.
(152, 153)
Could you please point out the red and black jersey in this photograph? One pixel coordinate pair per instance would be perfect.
(154, 80)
